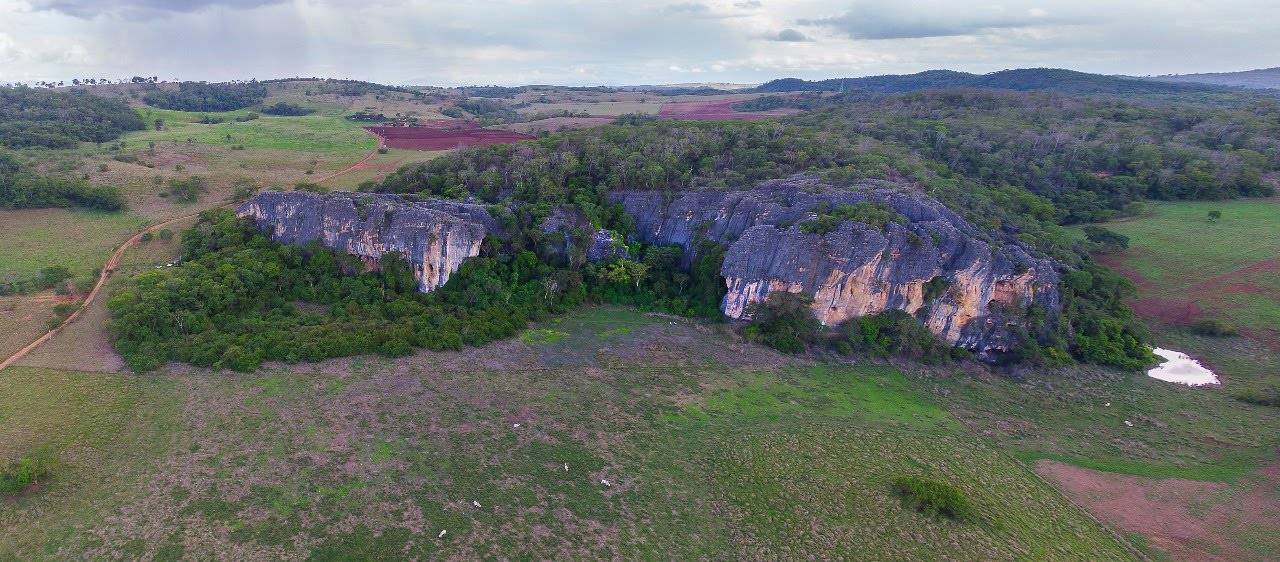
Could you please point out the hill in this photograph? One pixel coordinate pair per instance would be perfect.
(1259, 78)
(1026, 79)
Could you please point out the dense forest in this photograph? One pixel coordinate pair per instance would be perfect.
(202, 96)
(20, 188)
(239, 299)
(61, 119)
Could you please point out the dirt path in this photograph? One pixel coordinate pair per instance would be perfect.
(114, 261)
(358, 165)
(107, 270)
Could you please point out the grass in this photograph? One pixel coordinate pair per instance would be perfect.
(78, 239)
(1181, 255)
(326, 131)
(105, 432)
(1176, 245)
(370, 458)
(1078, 416)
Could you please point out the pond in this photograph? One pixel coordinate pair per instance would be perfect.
(1181, 368)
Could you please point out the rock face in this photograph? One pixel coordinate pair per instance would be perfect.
(434, 236)
(856, 269)
(967, 287)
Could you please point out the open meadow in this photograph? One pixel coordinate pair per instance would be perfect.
(606, 433)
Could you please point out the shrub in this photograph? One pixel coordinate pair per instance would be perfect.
(309, 186)
(784, 322)
(1213, 327)
(878, 215)
(287, 109)
(933, 497)
(16, 476)
(894, 332)
(187, 190)
(1262, 395)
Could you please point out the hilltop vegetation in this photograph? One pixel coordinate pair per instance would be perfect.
(1022, 79)
(22, 189)
(202, 96)
(58, 119)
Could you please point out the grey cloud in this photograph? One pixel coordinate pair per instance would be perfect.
(687, 8)
(140, 9)
(893, 20)
(789, 35)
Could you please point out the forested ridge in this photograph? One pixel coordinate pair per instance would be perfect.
(61, 119)
(203, 96)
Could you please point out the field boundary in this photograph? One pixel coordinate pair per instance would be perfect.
(103, 276)
(114, 261)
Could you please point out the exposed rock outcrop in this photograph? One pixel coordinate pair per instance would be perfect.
(856, 269)
(434, 236)
(968, 287)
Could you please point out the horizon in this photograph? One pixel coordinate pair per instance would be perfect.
(712, 83)
(516, 42)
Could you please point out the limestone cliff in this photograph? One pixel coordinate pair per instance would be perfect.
(434, 236)
(967, 286)
(856, 269)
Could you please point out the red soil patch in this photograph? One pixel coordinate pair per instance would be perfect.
(1161, 304)
(1172, 512)
(443, 135)
(716, 110)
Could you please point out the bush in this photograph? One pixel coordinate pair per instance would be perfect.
(1262, 395)
(16, 476)
(933, 497)
(894, 332)
(186, 190)
(287, 109)
(309, 186)
(1213, 327)
(784, 322)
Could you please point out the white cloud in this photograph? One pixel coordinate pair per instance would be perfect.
(621, 41)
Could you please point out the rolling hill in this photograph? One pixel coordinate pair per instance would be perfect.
(1259, 78)
(1053, 79)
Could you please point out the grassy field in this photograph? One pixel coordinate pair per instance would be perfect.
(80, 240)
(710, 448)
(1176, 245)
(25, 317)
(326, 131)
(1187, 265)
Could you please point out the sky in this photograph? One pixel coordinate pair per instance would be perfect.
(511, 42)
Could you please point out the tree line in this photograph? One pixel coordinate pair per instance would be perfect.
(31, 117)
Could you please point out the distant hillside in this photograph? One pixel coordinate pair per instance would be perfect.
(1058, 80)
(1260, 78)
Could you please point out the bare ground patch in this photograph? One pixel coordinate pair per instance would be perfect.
(1188, 519)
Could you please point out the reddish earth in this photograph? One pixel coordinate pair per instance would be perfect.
(717, 110)
(1184, 305)
(1188, 519)
(443, 135)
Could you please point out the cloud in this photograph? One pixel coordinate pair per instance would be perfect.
(788, 35)
(879, 19)
(140, 9)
